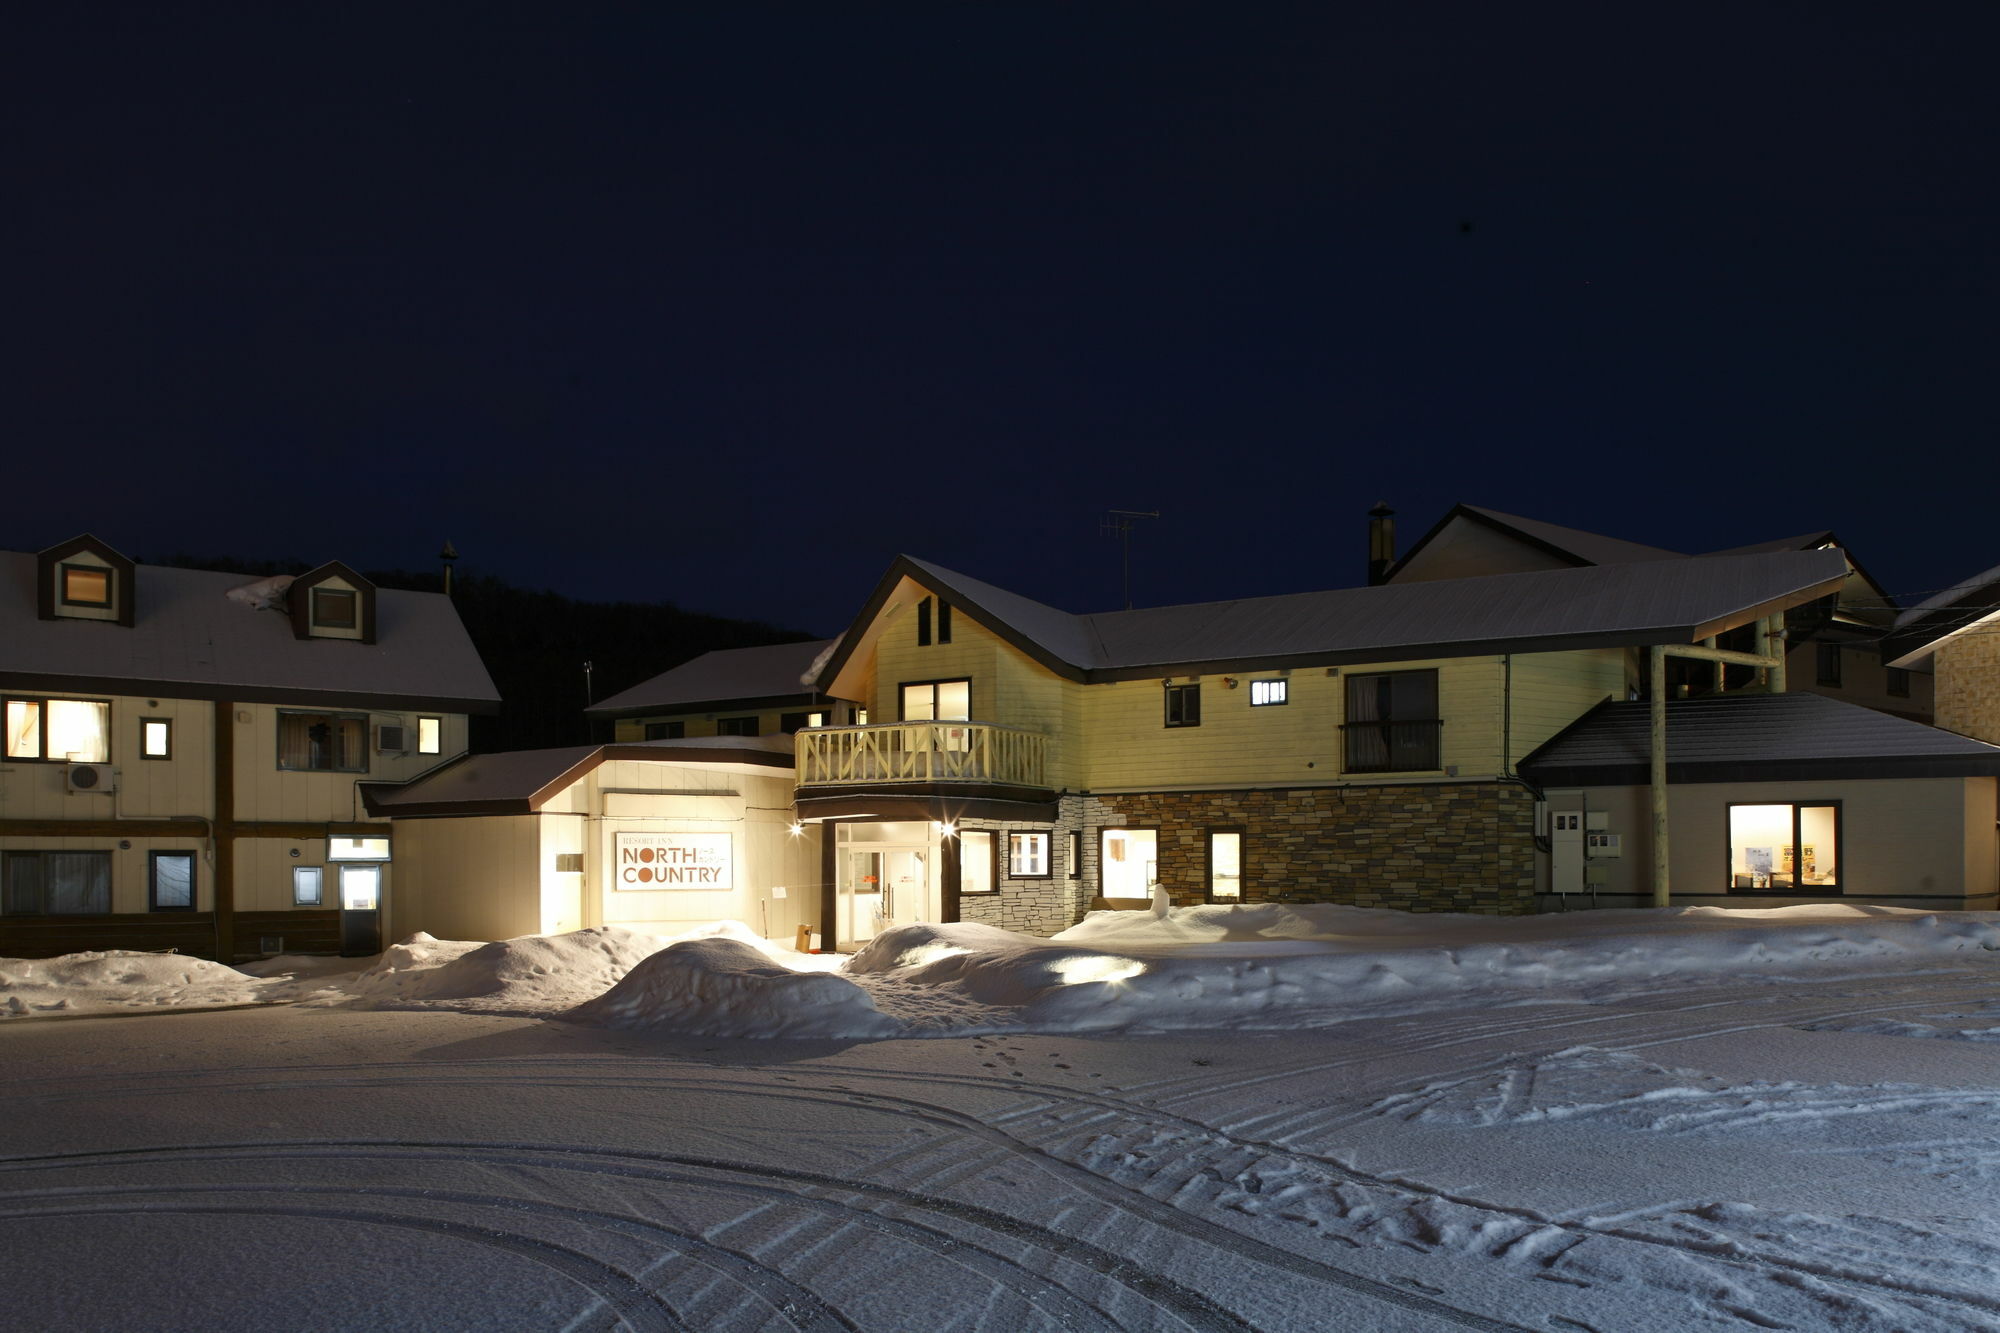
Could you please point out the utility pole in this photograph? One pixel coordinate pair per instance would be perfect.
(1119, 524)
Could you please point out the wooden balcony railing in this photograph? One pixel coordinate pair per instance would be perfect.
(923, 752)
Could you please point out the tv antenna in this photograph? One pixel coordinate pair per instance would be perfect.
(1118, 523)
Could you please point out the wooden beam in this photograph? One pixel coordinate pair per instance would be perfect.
(1661, 861)
(1730, 656)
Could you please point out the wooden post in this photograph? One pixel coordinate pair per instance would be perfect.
(951, 862)
(1763, 649)
(1776, 636)
(1721, 668)
(829, 893)
(1657, 668)
(223, 826)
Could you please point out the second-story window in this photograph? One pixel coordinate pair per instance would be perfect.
(334, 608)
(1898, 683)
(156, 738)
(1264, 693)
(1183, 705)
(323, 742)
(665, 731)
(1392, 722)
(61, 730)
(924, 623)
(736, 726)
(937, 701)
(1828, 662)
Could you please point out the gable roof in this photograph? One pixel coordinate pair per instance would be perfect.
(1753, 738)
(1663, 601)
(520, 782)
(1572, 545)
(190, 640)
(727, 675)
(1962, 608)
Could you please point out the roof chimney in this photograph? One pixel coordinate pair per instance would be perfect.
(1381, 542)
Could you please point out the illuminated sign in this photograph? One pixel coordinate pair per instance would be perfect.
(672, 861)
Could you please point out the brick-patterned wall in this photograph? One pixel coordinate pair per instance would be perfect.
(1968, 686)
(1032, 906)
(1428, 848)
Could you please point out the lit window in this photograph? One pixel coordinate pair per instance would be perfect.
(430, 735)
(323, 742)
(937, 701)
(1028, 855)
(86, 585)
(1128, 862)
(156, 738)
(360, 888)
(860, 717)
(815, 719)
(306, 886)
(73, 730)
(170, 881)
(333, 608)
(975, 862)
(1183, 705)
(1788, 848)
(1266, 692)
(1225, 866)
(357, 849)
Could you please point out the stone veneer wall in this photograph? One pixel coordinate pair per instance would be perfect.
(1424, 848)
(1032, 906)
(1968, 686)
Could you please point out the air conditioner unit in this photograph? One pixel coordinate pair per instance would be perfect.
(390, 739)
(91, 777)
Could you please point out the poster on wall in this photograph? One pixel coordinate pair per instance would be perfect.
(654, 861)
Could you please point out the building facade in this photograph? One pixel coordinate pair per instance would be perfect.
(183, 747)
(760, 691)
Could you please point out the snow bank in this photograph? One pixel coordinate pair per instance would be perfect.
(1276, 966)
(726, 988)
(120, 980)
(530, 974)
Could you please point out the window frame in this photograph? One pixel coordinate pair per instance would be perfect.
(318, 874)
(436, 737)
(1896, 682)
(166, 725)
(63, 571)
(1075, 866)
(736, 725)
(42, 906)
(284, 713)
(153, 880)
(1242, 862)
(903, 703)
(42, 703)
(1436, 720)
(1171, 695)
(1284, 692)
(666, 731)
(1826, 665)
(1048, 870)
(321, 594)
(1797, 889)
(992, 837)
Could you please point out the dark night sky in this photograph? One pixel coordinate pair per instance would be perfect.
(727, 304)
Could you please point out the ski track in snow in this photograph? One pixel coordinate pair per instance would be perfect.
(1035, 1192)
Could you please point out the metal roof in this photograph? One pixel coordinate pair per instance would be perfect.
(189, 639)
(1594, 547)
(1753, 738)
(1642, 602)
(1970, 606)
(774, 671)
(522, 781)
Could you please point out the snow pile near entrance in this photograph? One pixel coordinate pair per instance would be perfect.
(1278, 966)
(530, 974)
(727, 988)
(121, 981)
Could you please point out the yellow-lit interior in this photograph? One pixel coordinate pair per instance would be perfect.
(24, 729)
(86, 587)
(975, 862)
(1225, 853)
(79, 730)
(1764, 855)
(1130, 863)
(430, 735)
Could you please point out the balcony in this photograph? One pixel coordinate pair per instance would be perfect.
(918, 753)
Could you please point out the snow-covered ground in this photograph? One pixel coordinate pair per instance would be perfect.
(1275, 1118)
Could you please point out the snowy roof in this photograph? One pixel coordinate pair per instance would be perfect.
(1919, 630)
(1752, 738)
(727, 675)
(1659, 601)
(191, 640)
(519, 782)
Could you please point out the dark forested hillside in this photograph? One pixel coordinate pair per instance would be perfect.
(535, 644)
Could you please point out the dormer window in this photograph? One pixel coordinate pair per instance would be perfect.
(85, 579)
(86, 585)
(333, 608)
(332, 602)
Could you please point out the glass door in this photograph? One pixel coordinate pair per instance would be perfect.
(885, 875)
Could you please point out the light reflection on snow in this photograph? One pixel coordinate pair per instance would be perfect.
(924, 954)
(1096, 967)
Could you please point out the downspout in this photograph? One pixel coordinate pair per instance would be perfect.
(1657, 670)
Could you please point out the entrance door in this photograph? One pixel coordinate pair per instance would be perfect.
(1129, 862)
(886, 875)
(360, 911)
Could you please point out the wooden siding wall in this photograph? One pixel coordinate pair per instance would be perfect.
(266, 792)
(770, 721)
(147, 788)
(1552, 690)
(1982, 836)
(1901, 837)
(129, 866)
(466, 879)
